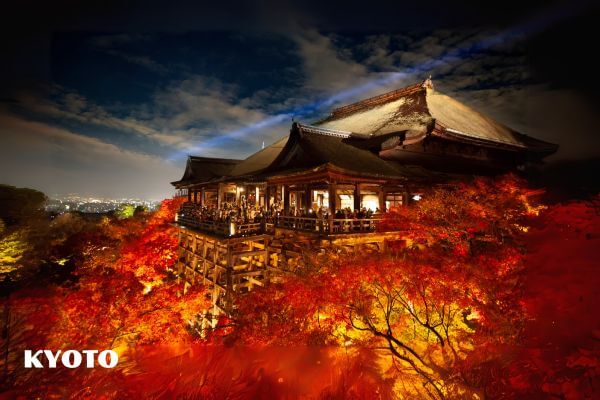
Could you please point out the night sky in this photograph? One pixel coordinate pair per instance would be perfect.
(108, 98)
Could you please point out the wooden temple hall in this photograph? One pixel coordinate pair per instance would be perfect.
(327, 184)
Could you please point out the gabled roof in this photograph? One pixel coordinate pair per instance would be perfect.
(259, 160)
(421, 108)
(311, 147)
(205, 169)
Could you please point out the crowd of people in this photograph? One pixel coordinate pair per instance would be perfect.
(230, 213)
(244, 213)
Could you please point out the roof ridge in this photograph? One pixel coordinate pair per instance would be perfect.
(324, 131)
(375, 100)
(216, 159)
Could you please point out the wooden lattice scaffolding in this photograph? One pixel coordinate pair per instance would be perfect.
(232, 266)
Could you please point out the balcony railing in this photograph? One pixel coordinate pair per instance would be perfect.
(220, 228)
(304, 224)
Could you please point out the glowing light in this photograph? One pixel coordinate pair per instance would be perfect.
(370, 202)
(473, 315)
(147, 288)
(416, 197)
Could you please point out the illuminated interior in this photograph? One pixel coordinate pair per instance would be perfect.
(370, 202)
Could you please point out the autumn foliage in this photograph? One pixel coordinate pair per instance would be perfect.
(485, 294)
(107, 303)
(435, 313)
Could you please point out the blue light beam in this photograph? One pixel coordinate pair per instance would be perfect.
(537, 25)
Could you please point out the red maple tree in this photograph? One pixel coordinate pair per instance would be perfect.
(484, 295)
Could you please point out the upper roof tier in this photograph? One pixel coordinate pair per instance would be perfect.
(350, 137)
(419, 108)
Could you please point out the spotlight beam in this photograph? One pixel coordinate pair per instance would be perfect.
(537, 25)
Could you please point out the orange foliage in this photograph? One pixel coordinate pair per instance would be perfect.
(559, 354)
(438, 312)
(150, 254)
(491, 297)
(112, 304)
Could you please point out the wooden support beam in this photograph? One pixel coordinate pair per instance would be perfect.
(256, 197)
(267, 197)
(247, 273)
(220, 287)
(228, 267)
(247, 253)
(254, 281)
(229, 281)
(357, 196)
(219, 195)
(332, 198)
(286, 199)
(332, 205)
(307, 198)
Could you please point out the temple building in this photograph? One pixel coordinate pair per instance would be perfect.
(331, 181)
(373, 154)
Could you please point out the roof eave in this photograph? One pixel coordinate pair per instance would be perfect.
(452, 134)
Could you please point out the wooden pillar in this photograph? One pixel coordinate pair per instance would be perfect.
(286, 199)
(307, 198)
(195, 196)
(332, 204)
(202, 197)
(382, 199)
(215, 287)
(357, 196)
(332, 198)
(219, 195)
(267, 259)
(267, 197)
(189, 194)
(228, 298)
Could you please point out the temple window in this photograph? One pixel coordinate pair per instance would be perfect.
(393, 200)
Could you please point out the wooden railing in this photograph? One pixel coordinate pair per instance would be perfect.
(247, 229)
(302, 224)
(354, 225)
(315, 225)
(226, 229)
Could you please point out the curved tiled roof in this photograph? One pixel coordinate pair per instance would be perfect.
(260, 160)
(310, 147)
(205, 169)
(420, 108)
